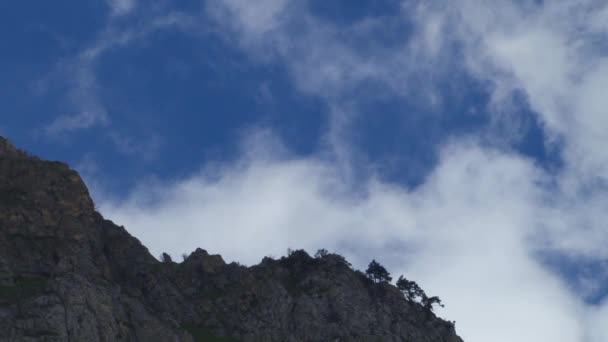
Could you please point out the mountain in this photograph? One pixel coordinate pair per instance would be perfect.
(68, 274)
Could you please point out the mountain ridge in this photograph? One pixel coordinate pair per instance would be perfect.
(68, 274)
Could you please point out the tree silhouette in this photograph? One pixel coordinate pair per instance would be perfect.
(321, 253)
(377, 273)
(413, 292)
(410, 289)
(428, 302)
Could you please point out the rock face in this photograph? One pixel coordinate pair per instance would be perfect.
(67, 274)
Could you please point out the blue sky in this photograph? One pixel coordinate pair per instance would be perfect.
(176, 100)
(454, 142)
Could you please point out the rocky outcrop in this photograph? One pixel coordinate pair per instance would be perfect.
(67, 274)
(8, 149)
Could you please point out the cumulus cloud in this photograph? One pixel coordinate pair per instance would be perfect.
(465, 234)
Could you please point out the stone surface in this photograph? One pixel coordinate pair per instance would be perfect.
(67, 274)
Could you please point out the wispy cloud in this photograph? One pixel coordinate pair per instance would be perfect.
(79, 72)
(88, 109)
(346, 65)
(82, 95)
(121, 7)
(147, 149)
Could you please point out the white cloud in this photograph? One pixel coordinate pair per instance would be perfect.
(472, 231)
(465, 234)
(556, 54)
(598, 317)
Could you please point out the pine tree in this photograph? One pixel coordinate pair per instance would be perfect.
(428, 302)
(413, 292)
(377, 273)
(410, 289)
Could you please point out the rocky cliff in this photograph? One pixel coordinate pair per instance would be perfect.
(67, 274)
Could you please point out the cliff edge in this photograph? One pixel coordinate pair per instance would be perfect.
(68, 274)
